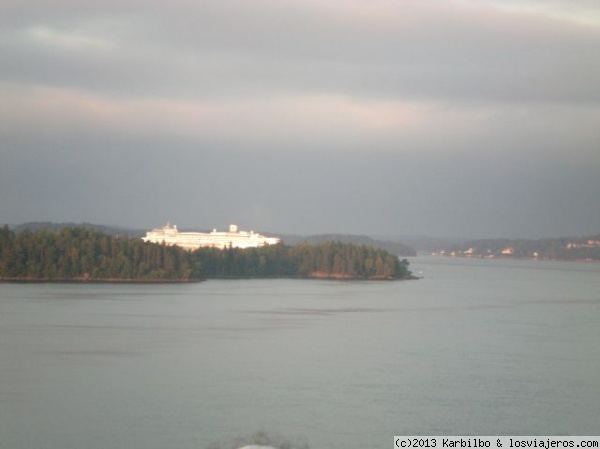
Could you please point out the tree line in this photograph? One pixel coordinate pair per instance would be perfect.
(84, 254)
(396, 248)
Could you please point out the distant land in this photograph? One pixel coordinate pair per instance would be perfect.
(568, 248)
(561, 248)
(53, 226)
(62, 253)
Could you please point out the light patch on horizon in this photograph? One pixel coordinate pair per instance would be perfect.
(75, 40)
(562, 10)
(56, 109)
(342, 123)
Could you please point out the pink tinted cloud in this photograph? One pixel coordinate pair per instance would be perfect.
(55, 110)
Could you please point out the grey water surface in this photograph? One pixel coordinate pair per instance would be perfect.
(476, 347)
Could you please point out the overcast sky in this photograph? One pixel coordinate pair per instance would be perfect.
(474, 118)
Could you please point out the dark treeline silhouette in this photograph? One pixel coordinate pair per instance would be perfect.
(325, 260)
(81, 253)
(84, 254)
(34, 226)
(392, 247)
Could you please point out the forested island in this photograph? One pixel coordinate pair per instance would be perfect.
(78, 254)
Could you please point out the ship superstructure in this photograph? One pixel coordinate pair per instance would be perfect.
(234, 238)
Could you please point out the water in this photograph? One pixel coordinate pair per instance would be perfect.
(476, 347)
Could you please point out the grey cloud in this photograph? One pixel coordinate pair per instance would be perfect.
(141, 183)
(425, 117)
(231, 48)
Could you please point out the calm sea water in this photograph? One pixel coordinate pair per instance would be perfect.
(476, 347)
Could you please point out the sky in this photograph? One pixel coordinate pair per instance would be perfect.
(464, 118)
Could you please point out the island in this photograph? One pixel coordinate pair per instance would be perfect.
(79, 254)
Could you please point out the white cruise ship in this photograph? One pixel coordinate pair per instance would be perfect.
(169, 235)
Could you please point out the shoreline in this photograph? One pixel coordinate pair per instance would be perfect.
(533, 259)
(96, 281)
(347, 277)
(312, 277)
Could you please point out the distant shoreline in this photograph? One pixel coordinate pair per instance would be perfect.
(96, 281)
(533, 259)
(348, 277)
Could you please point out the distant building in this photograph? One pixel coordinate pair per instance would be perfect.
(169, 235)
(508, 251)
(589, 244)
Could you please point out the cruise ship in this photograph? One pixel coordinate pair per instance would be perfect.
(234, 238)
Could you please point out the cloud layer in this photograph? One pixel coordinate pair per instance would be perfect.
(447, 117)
